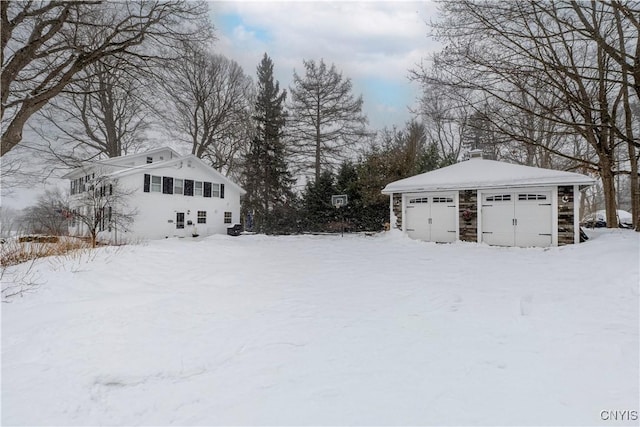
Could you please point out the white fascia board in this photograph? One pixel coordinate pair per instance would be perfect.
(512, 185)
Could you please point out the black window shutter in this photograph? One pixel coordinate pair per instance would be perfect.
(167, 185)
(147, 182)
(188, 187)
(207, 189)
(222, 191)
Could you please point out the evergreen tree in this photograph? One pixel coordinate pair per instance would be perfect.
(267, 179)
(317, 209)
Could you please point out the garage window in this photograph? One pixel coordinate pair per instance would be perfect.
(532, 197)
(420, 200)
(442, 200)
(499, 198)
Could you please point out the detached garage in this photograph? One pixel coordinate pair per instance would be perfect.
(487, 201)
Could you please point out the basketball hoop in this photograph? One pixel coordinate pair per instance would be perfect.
(339, 200)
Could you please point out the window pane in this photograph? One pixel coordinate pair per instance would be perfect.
(202, 217)
(177, 186)
(227, 217)
(215, 190)
(197, 190)
(156, 183)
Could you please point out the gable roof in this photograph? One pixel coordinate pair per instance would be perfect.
(477, 173)
(116, 162)
(175, 161)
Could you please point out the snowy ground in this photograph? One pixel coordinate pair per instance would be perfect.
(326, 330)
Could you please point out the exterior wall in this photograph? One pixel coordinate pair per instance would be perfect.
(156, 212)
(468, 215)
(566, 215)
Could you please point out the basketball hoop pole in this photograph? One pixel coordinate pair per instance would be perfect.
(339, 201)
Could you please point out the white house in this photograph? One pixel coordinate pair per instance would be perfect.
(172, 195)
(497, 203)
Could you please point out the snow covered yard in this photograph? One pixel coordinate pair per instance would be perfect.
(326, 330)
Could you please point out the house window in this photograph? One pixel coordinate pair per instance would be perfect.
(202, 217)
(149, 159)
(227, 217)
(215, 190)
(156, 183)
(197, 189)
(178, 186)
(188, 187)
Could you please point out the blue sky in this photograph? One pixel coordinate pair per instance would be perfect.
(372, 43)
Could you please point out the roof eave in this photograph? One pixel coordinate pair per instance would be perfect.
(427, 188)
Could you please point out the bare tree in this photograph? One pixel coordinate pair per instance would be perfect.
(48, 216)
(207, 105)
(445, 112)
(326, 119)
(521, 57)
(103, 114)
(101, 205)
(10, 222)
(47, 44)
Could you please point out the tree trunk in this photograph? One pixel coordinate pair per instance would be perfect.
(635, 188)
(609, 188)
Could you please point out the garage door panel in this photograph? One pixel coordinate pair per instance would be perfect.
(497, 219)
(432, 217)
(443, 219)
(517, 219)
(533, 215)
(418, 221)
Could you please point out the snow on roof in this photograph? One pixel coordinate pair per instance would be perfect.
(482, 173)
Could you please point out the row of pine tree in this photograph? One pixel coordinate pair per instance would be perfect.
(272, 205)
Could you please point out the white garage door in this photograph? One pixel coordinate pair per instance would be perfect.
(521, 218)
(431, 217)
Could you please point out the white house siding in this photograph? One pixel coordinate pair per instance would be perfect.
(156, 212)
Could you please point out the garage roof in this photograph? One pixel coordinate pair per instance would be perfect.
(478, 173)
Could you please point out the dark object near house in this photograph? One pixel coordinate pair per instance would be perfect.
(38, 239)
(594, 223)
(583, 236)
(235, 230)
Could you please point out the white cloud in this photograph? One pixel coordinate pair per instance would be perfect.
(365, 40)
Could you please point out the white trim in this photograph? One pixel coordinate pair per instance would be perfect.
(392, 224)
(577, 194)
(456, 201)
(479, 197)
(554, 216)
(403, 209)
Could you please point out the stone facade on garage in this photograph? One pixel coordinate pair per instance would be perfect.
(566, 229)
(468, 215)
